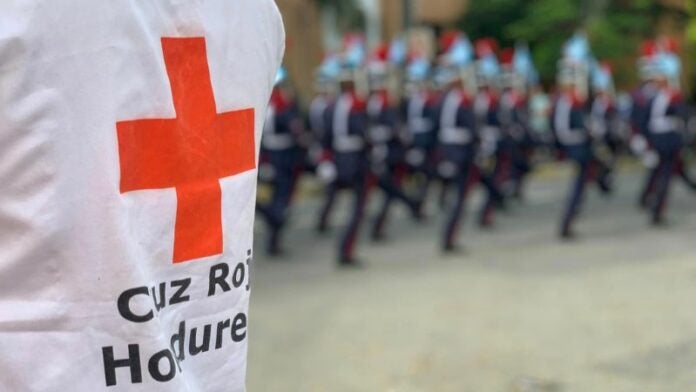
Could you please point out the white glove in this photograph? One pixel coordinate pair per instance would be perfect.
(638, 144)
(379, 153)
(326, 171)
(447, 169)
(415, 157)
(650, 159)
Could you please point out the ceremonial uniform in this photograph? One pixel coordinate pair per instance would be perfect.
(574, 138)
(317, 115)
(345, 144)
(387, 157)
(665, 128)
(280, 163)
(640, 110)
(419, 110)
(660, 69)
(492, 144)
(457, 139)
(514, 124)
(603, 123)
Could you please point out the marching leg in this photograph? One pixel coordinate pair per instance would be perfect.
(455, 214)
(277, 211)
(329, 200)
(648, 190)
(381, 219)
(347, 247)
(574, 201)
(665, 171)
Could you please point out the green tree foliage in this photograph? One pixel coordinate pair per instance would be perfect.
(615, 28)
(490, 19)
(546, 25)
(350, 17)
(691, 45)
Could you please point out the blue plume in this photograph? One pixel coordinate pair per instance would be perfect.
(488, 67)
(577, 48)
(444, 75)
(418, 69)
(601, 79)
(398, 51)
(522, 60)
(461, 53)
(330, 68)
(668, 64)
(281, 75)
(355, 55)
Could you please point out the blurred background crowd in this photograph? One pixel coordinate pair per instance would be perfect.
(615, 29)
(396, 96)
(517, 176)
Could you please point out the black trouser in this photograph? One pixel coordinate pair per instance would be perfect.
(326, 208)
(576, 194)
(647, 192)
(521, 166)
(352, 174)
(359, 190)
(584, 159)
(462, 158)
(668, 146)
(648, 189)
(389, 182)
(426, 169)
(283, 183)
(663, 178)
(495, 181)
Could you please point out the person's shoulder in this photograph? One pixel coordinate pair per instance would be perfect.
(259, 21)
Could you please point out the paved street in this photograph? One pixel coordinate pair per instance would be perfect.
(518, 311)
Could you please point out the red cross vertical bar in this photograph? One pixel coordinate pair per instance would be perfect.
(190, 152)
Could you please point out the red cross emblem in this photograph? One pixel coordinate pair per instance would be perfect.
(190, 152)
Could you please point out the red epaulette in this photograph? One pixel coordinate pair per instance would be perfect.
(467, 99)
(520, 100)
(493, 99)
(279, 101)
(386, 99)
(638, 97)
(675, 97)
(359, 104)
(326, 155)
(432, 98)
(576, 101)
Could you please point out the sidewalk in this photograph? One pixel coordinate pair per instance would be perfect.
(519, 311)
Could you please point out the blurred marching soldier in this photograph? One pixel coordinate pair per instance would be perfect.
(641, 99)
(279, 159)
(325, 86)
(571, 133)
(457, 138)
(386, 145)
(666, 124)
(457, 132)
(641, 141)
(418, 110)
(603, 113)
(345, 162)
(513, 112)
(492, 143)
(691, 122)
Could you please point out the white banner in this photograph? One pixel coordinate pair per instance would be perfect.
(129, 134)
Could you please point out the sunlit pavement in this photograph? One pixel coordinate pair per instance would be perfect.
(518, 311)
